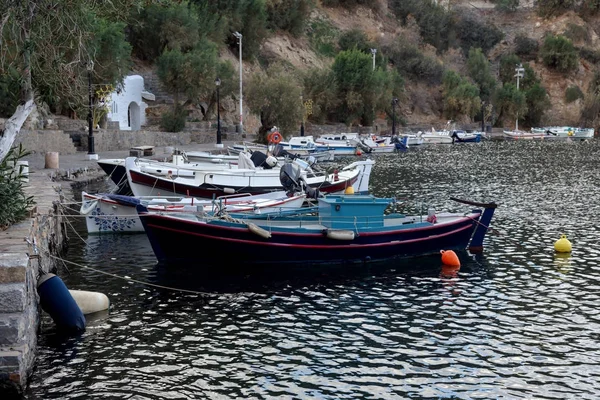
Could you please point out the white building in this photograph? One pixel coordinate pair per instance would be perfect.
(126, 106)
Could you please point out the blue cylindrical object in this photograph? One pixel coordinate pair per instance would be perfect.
(57, 301)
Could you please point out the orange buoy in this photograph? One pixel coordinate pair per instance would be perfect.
(358, 153)
(450, 258)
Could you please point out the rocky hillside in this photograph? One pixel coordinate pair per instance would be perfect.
(424, 104)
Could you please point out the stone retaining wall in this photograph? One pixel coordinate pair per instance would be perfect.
(20, 266)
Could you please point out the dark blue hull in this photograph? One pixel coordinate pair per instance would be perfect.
(177, 240)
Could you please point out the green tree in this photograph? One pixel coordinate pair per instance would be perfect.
(359, 88)
(461, 98)
(510, 103)
(276, 96)
(538, 102)
(559, 53)
(479, 70)
(320, 87)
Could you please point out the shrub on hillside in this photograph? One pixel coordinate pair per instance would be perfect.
(434, 21)
(173, 120)
(577, 33)
(589, 54)
(472, 32)
(15, 203)
(552, 8)
(573, 93)
(350, 3)
(411, 62)
(559, 53)
(526, 47)
(289, 15)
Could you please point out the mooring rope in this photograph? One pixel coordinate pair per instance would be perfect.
(126, 278)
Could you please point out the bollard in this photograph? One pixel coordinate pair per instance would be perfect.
(51, 160)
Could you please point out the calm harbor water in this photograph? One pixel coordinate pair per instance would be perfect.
(517, 322)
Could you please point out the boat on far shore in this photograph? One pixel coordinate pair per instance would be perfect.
(566, 132)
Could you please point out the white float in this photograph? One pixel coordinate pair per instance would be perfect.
(90, 302)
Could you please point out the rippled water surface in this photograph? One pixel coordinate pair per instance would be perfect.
(517, 321)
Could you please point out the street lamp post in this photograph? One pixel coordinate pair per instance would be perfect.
(394, 102)
(239, 37)
(91, 149)
(483, 117)
(520, 72)
(219, 144)
(303, 114)
(373, 52)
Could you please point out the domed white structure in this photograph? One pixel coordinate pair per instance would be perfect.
(126, 105)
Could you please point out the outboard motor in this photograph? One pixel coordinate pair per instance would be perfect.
(289, 176)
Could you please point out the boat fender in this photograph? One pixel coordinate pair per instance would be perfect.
(340, 234)
(56, 300)
(90, 302)
(259, 231)
(87, 206)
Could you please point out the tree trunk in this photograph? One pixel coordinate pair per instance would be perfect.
(13, 126)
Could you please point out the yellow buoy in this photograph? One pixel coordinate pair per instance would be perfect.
(349, 190)
(562, 245)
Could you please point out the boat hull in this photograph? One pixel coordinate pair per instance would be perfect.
(177, 240)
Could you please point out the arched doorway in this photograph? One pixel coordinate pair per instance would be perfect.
(133, 116)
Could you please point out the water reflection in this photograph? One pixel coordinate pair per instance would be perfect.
(518, 321)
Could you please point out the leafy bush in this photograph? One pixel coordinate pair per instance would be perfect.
(526, 48)
(472, 32)
(289, 15)
(173, 120)
(577, 33)
(323, 37)
(590, 54)
(411, 62)
(15, 204)
(559, 53)
(435, 23)
(550, 8)
(10, 89)
(573, 93)
(354, 38)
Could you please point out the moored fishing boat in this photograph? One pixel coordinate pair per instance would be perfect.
(346, 229)
(113, 213)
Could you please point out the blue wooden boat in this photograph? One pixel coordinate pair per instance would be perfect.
(346, 229)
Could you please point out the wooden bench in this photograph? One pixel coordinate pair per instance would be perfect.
(141, 151)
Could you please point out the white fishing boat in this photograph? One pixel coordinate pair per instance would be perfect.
(215, 183)
(566, 132)
(109, 212)
(522, 135)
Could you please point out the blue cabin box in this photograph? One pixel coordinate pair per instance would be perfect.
(352, 211)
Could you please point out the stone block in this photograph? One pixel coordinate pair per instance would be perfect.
(10, 360)
(11, 329)
(13, 267)
(12, 297)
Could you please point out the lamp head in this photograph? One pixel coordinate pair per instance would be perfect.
(237, 35)
(218, 81)
(90, 65)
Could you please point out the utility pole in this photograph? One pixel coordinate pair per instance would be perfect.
(520, 72)
(373, 52)
(239, 37)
